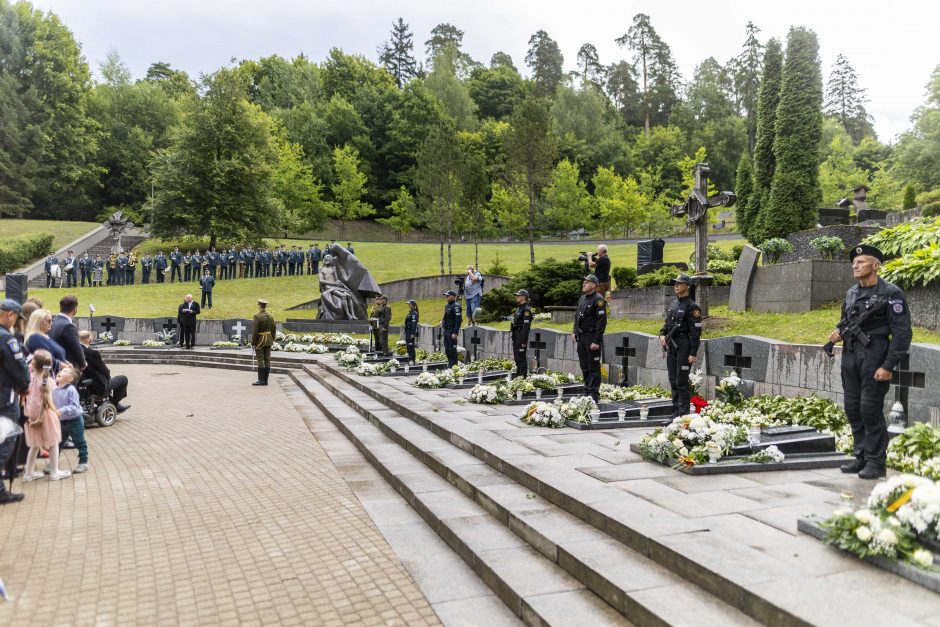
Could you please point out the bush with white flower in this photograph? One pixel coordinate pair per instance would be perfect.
(686, 439)
(295, 347)
(225, 344)
(610, 392)
(901, 521)
(730, 389)
(917, 451)
(153, 344)
(427, 381)
(367, 370)
(543, 381)
(317, 349)
(577, 408)
(349, 358)
(521, 384)
(488, 394)
(541, 414)
(306, 338)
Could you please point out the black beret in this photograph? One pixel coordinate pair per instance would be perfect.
(865, 249)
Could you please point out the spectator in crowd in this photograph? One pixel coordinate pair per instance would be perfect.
(472, 291)
(42, 419)
(65, 333)
(601, 267)
(37, 338)
(71, 416)
(102, 383)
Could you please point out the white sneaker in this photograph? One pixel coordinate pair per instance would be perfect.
(80, 469)
(62, 474)
(32, 477)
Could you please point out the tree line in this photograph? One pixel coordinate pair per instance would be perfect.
(440, 141)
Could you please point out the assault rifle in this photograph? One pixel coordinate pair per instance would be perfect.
(850, 328)
(670, 341)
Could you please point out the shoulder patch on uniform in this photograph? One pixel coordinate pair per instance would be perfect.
(526, 314)
(14, 345)
(696, 313)
(897, 306)
(600, 302)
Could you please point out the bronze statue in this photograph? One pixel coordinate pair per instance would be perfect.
(345, 284)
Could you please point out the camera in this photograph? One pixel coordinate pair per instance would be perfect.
(459, 281)
(583, 258)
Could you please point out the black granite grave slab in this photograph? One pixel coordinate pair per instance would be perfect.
(166, 324)
(745, 355)
(736, 464)
(920, 576)
(112, 324)
(660, 414)
(239, 327)
(790, 439)
(567, 391)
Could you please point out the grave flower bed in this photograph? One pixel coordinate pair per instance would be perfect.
(577, 408)
(916, 451)
(691, 440)
(610, 392)
(488, 394)
(541, 414)
(372, 369)
(427, 380)
(349, 358)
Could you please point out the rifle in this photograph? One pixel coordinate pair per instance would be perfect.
(670, 341)
(851, 328)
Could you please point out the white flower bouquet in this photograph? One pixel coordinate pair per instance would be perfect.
(224, 344)
(730, 389)
(367, 369)
(766, 456)
(349, 359)
(695, 382)
(542, 414)
(295, 347)
(317, 349)
(427, 381)
(279, 336)
(306, 338)
(578, 409)
(488, 394)
(388, 365)
(685, 440)
(276, 346)
(122, 343)
(633, 393)
(542, 317)
(106, 336)
(152, 343)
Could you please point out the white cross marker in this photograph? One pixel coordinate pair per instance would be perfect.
(238, 328)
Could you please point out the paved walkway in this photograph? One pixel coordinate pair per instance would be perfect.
(209, 502)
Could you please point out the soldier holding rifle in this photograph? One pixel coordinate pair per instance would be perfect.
(679, 338)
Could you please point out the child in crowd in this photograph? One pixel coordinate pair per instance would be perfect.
(71, 416)
(42, 419)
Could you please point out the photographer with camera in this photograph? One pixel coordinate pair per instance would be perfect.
(473, 292)
(600, 264)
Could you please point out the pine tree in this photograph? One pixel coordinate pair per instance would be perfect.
(910, 200)
(545, 60)
(590, 70)
(658, 72)
(396, 54)
(794, 193)
(845, 100)
(764, 162)
(743, 189)
(747, 81)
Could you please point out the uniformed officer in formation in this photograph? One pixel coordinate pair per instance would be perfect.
(263, 328)
(519, 324)
(866, 370)
(206, 283)
(176, 258)
(84, 268)
(679, 337)
(450, 326)
(146, 266)
(381, 318)
(14, 381)
(160, 265)
(590, 320)
(411, 330)
(71, 271)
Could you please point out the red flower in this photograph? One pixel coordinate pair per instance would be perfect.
(700, 404)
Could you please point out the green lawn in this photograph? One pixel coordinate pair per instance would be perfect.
(64, 232)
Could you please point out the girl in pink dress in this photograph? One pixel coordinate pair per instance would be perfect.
(42, 418)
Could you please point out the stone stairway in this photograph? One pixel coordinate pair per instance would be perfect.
(102, 248)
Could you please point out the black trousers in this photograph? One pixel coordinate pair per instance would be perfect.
(410, 346)
(175, 272)
(187, 336)
(118, 388)
(161, 276)
(70, 278)
(85, 276)
(521, 358)
(145, 276)
(679, 368)
(590, 361)
(450, 348)
(865, 398)
(206, 296)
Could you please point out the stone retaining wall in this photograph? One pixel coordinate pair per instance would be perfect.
(849, 234)
(652, 303)
(925, 305)
(798, 286)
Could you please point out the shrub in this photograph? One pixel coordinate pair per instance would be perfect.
(905, 238)
(828, 246)
(721, 265)
(550, 282)
(910, 199)
(497, 267)
(774, 247)
(19, 251)
(624, 277)
(736, 251)
(660, 276)
(918, 268)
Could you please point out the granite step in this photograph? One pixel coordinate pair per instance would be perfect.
(533, 587)
(631, 583)
(193, 361)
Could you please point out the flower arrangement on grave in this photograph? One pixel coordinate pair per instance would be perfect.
(695, 382)
(349, 358)
(488, 365)
(810, 411)
(122, 343)
(540, 414)
(730, 389)
(488, 394)
(236, 339)
(106, 336)
(367, 370)
(577, 409)
(427, 381)
(306, 338)
(461, 354)
(521, 384)
(295, 347)
(279, 336)
(362, 344)
(543, 381)
(225, 344)
(343, 338)
(610, 392)
(901, 522)
(401, 347)
(699, 403)
(164, 337)
(542, 317)
(277, 346)
(917, 451)
(446, 377)
(388, 365)
(317, 349)
(686, 439)
(153, 343)
(766, 456)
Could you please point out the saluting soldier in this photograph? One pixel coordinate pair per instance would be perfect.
(679, 337)
(263, 327)
(519, 324)
(879, 312)
(411, 330)
(146, 266)
(450, 325)
(590, 320)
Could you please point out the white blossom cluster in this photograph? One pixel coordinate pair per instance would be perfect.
(487, 394)
(427, 380)
(541, 414)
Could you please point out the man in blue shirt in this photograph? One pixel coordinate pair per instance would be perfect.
(473, 292)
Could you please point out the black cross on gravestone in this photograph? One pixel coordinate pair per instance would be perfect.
(905, 379)
(625, 353)
(475, 340)
(439, 344)
(169, 325)
(738, 361)
(539, 346)
(107, 325)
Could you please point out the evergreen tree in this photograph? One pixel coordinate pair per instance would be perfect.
(590, 70)
(453, 93)
(349, 186)
(747, 67)
(743, 189)
(910, 200)
(657, 69)
(794, 192)
(396, 54)
(545, 60)
(623, 90)
(441, 35)
(764, 163)
(502, 59)
(845, 100)
(531, 148)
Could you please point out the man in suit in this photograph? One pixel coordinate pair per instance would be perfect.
(71, 270)
(103, 384)
(65, 333)
(186, 317)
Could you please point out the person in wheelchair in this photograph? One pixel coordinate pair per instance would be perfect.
(101, 394)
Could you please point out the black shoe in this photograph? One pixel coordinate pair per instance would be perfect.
(258, 382)
(853, 466)
(122, 408)
(872, 471)
(10, 497)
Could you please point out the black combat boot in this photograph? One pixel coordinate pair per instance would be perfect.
(853, 466)
(267, 371)
(873, 470)
(260, 380)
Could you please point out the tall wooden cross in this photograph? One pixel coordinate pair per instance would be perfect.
(695, 210)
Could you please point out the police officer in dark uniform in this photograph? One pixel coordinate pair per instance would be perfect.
(14, 380)
(411, 330)
(588, 333)
(519, 324)
(450, 325)
(866, 370)
(680, 339)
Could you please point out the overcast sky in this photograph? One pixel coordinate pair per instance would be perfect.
(893, 46)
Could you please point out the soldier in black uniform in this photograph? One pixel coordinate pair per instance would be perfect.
(679, 337)
(411, 330)
(588, 333)
(519, 324)
(14, 380)
(866, 370)
(450, 325)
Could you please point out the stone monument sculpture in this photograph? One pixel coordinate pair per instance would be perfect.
(117, 224)
(345, 284)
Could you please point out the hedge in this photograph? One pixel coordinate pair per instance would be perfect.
(17, 252)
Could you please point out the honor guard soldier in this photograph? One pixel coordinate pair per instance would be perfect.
(84, 268)
(381, 318)
(875, 332)
(176, 258)
(131, 271)
(70, 270)
(679, 338)
(450, 326)
(519, 324)
(590, 320)
(263, 328)
(411, 330)
(207, 282)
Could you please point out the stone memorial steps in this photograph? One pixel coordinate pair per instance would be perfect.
(790, 581)
(203, 358)
(545, 564)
